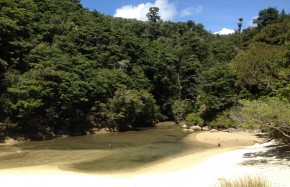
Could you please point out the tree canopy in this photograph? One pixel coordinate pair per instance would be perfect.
(153, 14)
(65, 69)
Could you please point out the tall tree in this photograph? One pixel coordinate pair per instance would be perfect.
(17, 26)
(153, 14)
(267, 16)
(240, 24)
(258, 68)
(283, 15)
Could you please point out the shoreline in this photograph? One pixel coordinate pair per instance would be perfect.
(203, 168)
(168, 164)
(228, 141)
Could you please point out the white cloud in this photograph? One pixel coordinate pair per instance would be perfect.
(166, 10)
(191, 10)
(250, 22)
(225, 31)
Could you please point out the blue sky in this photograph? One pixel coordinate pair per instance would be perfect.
(215, 15)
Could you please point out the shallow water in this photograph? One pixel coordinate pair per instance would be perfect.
(91, 154)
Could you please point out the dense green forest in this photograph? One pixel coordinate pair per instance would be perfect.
(66, 70)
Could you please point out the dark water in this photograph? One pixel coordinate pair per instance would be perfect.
(91, 154)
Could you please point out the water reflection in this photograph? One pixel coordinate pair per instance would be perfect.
(91, 154)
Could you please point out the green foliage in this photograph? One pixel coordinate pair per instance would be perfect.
(17, 28)
(270, 114)
(180, 108)
(194, 118)
(153, 14)
(267, 16)
(284, 92)
(218, 91)
(131, 107)
(274, 34)
(65, 69)
(223, 51)
(258, 68)
(223, 120)
(246, 37)
(240, 24)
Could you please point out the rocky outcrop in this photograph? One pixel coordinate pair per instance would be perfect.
(190, 126)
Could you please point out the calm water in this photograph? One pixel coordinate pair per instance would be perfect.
(90, 153)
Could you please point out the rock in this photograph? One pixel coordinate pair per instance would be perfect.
(93, 130)
(195, 128)
(183, 125)
(213, 130)
(232, 130)
(103, 131)
(206, 128)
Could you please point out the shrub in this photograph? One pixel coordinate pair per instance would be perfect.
(223, 121)
(270, 114)
(131, 108)
(194, 118)
(180, 109)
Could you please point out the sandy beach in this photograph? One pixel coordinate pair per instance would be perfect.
(205, 168)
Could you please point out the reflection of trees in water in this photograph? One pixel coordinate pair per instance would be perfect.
(91, 153)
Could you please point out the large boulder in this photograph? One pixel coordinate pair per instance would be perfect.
(195, 128)
(205, 128)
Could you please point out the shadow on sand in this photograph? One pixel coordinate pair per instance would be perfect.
(273, 155)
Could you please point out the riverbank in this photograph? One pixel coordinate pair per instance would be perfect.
(203, 168)
(226, 141)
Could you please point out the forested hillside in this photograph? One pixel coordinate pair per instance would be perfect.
(65, 70)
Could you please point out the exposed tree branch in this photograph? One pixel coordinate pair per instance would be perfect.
(278, 129)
